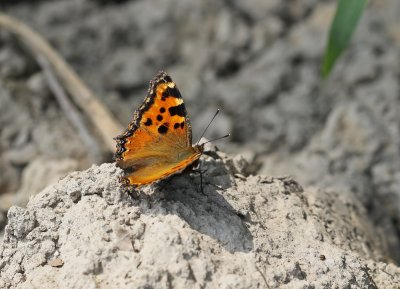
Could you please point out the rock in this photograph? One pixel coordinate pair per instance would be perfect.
(354, 152)
(256, 9)
(40, 173)
(11, 62)
(56, 263)
(3, 220)
(259, 61)
(120, 71)
(247, 232)
(6, 201)
(21, 156)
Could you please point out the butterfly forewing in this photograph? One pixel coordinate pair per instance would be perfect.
(158, 142)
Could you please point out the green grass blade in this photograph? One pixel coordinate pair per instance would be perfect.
(348, 12)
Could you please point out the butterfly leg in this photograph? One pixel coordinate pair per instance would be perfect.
(200, 172)
(128, 189)
(132, 194)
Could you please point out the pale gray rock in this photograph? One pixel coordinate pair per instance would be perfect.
(259, 61)
(240, 232)
(39, 174)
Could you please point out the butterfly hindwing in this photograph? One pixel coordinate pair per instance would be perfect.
(158, 141)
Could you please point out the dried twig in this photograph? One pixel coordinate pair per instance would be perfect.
(70, 111)
(107, 125)
(263, 276)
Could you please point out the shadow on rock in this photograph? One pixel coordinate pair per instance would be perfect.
(207, 212)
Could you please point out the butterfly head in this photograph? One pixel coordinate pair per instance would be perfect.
(199, 148)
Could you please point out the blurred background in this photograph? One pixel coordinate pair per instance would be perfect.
(258, 61)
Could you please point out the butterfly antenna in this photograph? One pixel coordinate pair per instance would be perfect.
(218, 138)
(216, 113)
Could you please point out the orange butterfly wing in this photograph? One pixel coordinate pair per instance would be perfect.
(158, 141)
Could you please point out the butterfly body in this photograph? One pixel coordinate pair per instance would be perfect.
(158, 141)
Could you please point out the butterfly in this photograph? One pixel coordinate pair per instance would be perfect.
(158, 142)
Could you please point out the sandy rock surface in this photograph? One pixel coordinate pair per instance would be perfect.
(258, 61)
(240, 232)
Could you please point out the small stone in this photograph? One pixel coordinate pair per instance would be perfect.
(57, 262)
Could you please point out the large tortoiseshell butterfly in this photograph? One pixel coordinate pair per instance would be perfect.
(158, 141)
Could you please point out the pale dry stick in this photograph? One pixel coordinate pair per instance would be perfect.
(263, 276)
(70, 110)
(100, 116)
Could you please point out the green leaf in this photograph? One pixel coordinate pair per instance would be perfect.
(348, 12)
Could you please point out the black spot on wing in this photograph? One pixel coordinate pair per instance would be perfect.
(162, 110)
(182, 124)
(163, 128)
(171, 92)
(176, 125)
(166, 77)
(148, 122)
(159, 117)
(177, 110)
